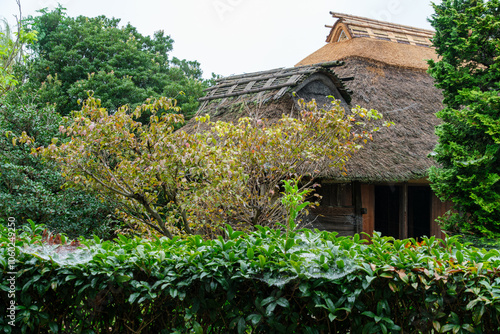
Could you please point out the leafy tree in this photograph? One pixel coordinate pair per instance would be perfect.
(258, 155)
(11, 51)
(8, 55)
(175, 182)
(147, 169)
(31, 189)
(118, 64)
(468, 41)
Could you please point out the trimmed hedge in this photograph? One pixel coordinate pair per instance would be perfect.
(264, 282)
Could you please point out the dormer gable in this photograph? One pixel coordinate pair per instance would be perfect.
(349, 26)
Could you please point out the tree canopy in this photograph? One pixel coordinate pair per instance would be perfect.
(468, 71)
(30, 189)
(116, 64)
(175, 182)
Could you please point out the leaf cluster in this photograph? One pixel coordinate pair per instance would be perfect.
(144, 169)
(30, 188)
(263, 282)
(11, 51)
(259, 155)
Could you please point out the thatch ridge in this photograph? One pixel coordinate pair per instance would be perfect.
(390, 53)
(394, 26)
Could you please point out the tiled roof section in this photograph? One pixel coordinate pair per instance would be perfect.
(355, 27)
(272, 84)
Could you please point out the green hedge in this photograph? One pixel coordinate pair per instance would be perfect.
(265, 282)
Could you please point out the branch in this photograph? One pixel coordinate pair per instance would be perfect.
(142, 200)
(136, 213)
(17, 43)
(103, 184)
(113, 177)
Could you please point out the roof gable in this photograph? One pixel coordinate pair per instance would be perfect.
(350, 26)
(388, 43)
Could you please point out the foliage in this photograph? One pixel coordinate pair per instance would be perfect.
(258, 154)
(467, 40)
(147, 169)
(451, 222)
(118, 64)
(177, 182)
(294, 201)
(263, 282)
(480, 242)
(11, 51)
(31, 189)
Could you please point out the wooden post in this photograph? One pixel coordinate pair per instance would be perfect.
(438, 208)
(368, 202)
(403, 212)
(356, 193)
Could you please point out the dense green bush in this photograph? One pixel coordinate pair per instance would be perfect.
(467, 40)
(32, 189)
(265, 282)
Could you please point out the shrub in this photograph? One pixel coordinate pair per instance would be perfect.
(264, 282)
(32, 189)
(467, 72)
(175, 182)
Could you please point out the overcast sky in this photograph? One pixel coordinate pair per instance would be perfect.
(237, 36)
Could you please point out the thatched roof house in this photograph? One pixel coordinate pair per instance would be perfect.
(385, 188)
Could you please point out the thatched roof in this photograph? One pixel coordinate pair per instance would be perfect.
(390, 53)
(388, 63)
(409, 99)
(266, 86)
(392, 44)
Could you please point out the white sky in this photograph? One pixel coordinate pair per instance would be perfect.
(237, 36)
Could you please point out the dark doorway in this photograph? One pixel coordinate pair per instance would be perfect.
(387, 210)
(419, 211)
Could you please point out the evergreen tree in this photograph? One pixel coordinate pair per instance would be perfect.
(468, 71)
(31, 189)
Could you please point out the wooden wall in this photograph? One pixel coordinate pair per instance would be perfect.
(438, 208)
(336, 211)
(335, 219)
(349, 208)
